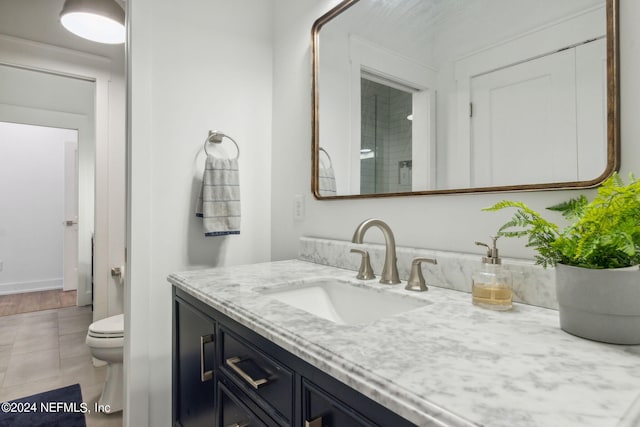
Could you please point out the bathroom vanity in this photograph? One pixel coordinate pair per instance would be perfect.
(244, 379)
(244, 357)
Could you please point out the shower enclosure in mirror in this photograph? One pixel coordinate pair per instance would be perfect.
(435, 96)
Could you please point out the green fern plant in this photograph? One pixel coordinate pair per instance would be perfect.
(605, 233)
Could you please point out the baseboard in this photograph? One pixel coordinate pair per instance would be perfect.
(30, 286)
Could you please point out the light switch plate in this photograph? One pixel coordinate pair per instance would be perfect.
(298, 207)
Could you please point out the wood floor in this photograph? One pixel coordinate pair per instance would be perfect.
(36, 301)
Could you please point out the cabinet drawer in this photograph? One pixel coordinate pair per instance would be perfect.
(234, 413)
(320, 409)
(268, 382)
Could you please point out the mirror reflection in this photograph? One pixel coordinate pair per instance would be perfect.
(471, 95)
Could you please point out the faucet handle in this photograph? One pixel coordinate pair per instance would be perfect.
(365, 272)
(416, 279)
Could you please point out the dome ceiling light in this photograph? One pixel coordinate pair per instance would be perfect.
(100, 21)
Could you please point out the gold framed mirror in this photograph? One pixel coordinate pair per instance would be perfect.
(419, 97)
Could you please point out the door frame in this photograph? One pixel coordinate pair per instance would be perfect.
(66, 62)
(61, 120)
(70, 246)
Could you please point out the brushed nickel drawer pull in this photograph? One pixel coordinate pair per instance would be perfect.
(316, 422)
(208, 375)
(238, 425)
(255, 383)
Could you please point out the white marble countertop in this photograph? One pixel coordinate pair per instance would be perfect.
(448, 363)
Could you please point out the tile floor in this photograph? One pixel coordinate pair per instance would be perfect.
(36, 301)
(44, 350)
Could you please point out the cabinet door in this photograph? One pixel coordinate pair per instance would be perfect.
(320, 409)
(194, 353)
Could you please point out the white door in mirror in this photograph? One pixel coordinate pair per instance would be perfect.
(528, 122)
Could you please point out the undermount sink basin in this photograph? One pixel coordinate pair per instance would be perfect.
(343, 302)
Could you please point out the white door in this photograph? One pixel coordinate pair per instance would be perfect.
(523, 123)
(70, 239)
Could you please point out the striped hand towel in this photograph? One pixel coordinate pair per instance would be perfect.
(327, 181)
(219, 200)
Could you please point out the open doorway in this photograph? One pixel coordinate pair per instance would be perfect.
(39, 254)
(50, 120)
(43, 265)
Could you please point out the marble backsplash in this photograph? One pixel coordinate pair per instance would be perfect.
(532, 284)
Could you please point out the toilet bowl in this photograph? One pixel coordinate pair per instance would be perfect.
(105, 339)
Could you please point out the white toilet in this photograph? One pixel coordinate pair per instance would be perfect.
(105, 339)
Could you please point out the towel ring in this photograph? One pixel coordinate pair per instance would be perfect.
(216, 138)
(328, 156)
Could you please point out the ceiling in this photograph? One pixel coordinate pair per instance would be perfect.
(37, 20)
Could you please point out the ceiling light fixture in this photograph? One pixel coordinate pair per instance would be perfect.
(100, 21)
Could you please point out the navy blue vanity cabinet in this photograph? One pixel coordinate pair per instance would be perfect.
(257, 383)
(193, 366)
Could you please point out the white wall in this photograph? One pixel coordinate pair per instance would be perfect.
(205, 65)
(32, 188)
(450, 222)
(113, 203)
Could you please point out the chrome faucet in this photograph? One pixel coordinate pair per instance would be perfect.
(389, 274)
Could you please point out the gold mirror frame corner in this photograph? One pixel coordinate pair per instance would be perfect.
(613, 119)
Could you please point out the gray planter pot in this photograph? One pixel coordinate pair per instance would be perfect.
(600, 305)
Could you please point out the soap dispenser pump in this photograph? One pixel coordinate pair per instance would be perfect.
(491, 285)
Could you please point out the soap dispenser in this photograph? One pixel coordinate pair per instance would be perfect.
(491, 286)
